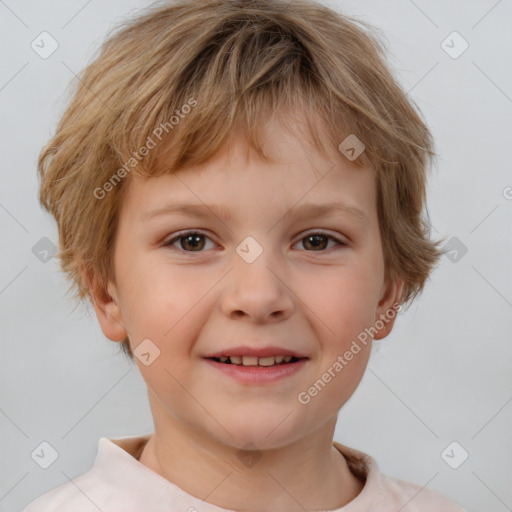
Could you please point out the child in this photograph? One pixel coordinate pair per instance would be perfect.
(273, 138)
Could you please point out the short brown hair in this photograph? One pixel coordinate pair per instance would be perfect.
(227, 65)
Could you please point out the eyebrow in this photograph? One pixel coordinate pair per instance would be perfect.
(201, 210)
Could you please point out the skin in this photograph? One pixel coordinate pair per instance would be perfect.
(190, 302)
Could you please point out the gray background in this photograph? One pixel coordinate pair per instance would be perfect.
(443, 375)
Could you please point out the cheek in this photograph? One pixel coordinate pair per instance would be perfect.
(168, 306)
(173, 328)
(347, 310)
(345, 300)
(160, 300)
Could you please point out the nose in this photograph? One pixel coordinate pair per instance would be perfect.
(258, 291)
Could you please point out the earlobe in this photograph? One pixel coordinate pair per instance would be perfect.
(387, 307)
(108, 311)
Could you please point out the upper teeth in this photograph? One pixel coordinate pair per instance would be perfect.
(256, 361)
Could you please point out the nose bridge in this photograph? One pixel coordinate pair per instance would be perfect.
(255, 287)
(254, 262)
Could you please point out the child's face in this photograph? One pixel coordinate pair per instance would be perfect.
(205, 295)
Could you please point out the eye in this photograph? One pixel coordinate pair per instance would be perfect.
(194, 241)
(318, 241)
(190, 241)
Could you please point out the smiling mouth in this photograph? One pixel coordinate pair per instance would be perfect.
(257, 361)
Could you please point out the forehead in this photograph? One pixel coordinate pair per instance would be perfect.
(238, 180)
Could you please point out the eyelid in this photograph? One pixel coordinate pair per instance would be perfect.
(339, 238)
(186, 232)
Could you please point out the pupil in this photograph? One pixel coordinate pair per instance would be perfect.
(193, 245)
(316, 237)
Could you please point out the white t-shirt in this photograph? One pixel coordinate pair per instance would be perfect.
(118, 482)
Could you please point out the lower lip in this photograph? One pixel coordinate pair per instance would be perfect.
(258, 374)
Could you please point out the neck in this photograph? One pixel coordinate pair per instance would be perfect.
(309, 473)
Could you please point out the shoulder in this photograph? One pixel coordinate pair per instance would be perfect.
(64, 498)
(102, 487)
(90, 492)
(415, 498)
(388, 494)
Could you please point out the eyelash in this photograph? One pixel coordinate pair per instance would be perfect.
(184, 234)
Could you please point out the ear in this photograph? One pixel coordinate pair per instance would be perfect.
(387, 306)
(108, 311)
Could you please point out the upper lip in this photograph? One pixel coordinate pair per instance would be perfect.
(256, 352)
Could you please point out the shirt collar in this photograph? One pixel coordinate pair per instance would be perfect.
(117, 461)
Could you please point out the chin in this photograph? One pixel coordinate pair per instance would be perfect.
(263, 431)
